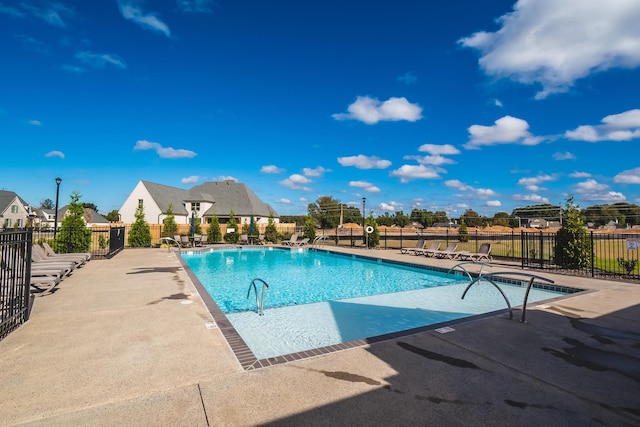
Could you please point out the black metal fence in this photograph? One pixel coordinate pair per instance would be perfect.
(15, 273)
(611, 255)
(105, 241)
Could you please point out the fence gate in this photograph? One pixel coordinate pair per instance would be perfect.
(15, 271)
(116, 240)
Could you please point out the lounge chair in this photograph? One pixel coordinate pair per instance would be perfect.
(78, 259)
(419, 246)
(483, 254)
(449, 252)
(49, 251)
(302, 242)
(38, 260)
(185, 242)
(197, 240)
(428, 252)
(244, 239)
(291, 241)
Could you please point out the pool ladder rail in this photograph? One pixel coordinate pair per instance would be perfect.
(490, 277)
(260, 302)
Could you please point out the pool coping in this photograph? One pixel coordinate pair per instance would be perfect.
(249, 361)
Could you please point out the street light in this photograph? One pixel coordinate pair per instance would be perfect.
(364, 199)
(55, 224)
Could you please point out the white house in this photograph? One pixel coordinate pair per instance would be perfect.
(202, 201)
(14, 212)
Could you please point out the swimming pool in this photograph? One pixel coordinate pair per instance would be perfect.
(318, 298)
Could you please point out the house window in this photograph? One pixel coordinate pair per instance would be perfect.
(195, 206)
(19, 222)
(14, 209)
(140, 203)
(7, 223)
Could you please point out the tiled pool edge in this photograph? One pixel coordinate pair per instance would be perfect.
(248, 361)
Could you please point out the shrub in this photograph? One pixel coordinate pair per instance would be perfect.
(139, 234)
(573, 247)
(73, 235)
(214, 235)
(233, 236)
(463, 232)
(271, 232)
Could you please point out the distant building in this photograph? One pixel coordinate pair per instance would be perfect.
(543, 223)
(202, 201)
(14, 212)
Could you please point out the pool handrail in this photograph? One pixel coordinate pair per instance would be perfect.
(259, 304)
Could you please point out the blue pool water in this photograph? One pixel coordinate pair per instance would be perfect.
(316, 299)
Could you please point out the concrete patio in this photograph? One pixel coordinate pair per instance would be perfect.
(128, 341)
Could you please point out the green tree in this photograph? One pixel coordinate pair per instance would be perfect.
(401, 220)
(309, 228)
(74, 236)
(139, 234)
(573, 247)
(471, 218)
(373, 238)
(326, 212)
(214, 235)
(271, 232)
(113, 216)
(386, 219)
(169, 226)
(47, 204)
(232, 236)
(501, 219)
(90, 206)
(463, 232)
(440, 216)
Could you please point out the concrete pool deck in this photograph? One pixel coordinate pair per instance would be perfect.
(128, 341)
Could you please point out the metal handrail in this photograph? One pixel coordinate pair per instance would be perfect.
(489, 278)
(259, 304)
(460, 264)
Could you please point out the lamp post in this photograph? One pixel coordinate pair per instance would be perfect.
(364, 199)
(55, 224)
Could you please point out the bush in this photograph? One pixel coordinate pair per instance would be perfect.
(463, 233)
(74, 236)
(573, 247)
(214, 235)
(234, 236)
(139, 234)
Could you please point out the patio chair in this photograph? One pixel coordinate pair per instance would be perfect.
(197, 240)
(449, 252)
(49, 251)
(39, 259)
(185, 242)
(78, 259)
(302, 242)
(419, 245)
(291, 241)
(483, 254)
(428, 252)
(244, 239)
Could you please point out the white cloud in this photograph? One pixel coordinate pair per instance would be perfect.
(166, 153)
(72, 69)
(223, 178)
(554, 43)
(100, 60)
(389, 207)
(481, 193)
(563, 156)
(190, 180)
(55, 153)
(534, 198)
(196, 6)
(371, 110)
(631, 176)
(364, 162)
(497, 103)
(271, 169)
(408, 173)
(408, 78)
(149, 21)
(35, 122)
(577, 174)
(283, 201)
(592, 191)
(445, 149)
(317, 172)
(493, 203)
(533, 183)
(366, 186)
(296, 182)
(616, 127)
(52, 13)
(506, 130)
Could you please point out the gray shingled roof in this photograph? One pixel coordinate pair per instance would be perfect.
(226, 196)
(165, 195)
(6, 197)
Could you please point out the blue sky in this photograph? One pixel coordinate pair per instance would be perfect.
(412, 104)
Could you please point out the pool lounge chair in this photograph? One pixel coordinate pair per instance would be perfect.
(302, 242)
(49, 251)
(483, 254)
(291, 241)
(428, 252)
(418, 247)
(42, 256)
(449, 252)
